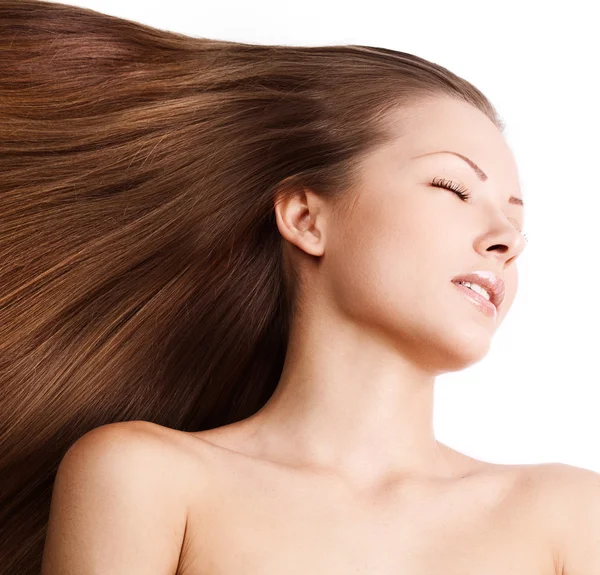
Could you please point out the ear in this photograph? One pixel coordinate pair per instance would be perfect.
(301, 218)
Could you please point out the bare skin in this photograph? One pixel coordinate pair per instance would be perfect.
(260, 517)
(340, 472)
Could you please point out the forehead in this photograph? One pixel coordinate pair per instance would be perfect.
(445, 123)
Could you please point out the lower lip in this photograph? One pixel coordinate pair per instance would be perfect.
(487, 307)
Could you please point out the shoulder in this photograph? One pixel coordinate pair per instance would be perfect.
(116, 504)
(128, 443)
(562, 488)
(568, 502)
(131, 456)
(137, 450)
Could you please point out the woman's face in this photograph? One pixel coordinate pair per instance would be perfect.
(388, 263)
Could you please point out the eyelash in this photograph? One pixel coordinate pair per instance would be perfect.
(463, 193)
(449, 185)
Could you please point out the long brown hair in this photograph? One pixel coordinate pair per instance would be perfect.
(142, 275)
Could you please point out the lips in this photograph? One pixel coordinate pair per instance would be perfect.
(487, 280)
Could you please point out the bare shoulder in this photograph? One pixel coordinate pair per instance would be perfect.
(141, 456)
(136, 434)
(561, 488)
(567, 499)
(140, 451)
(116, 504)
(142, 440)
(165, 451)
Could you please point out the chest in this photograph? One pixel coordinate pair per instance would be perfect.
(263, 527)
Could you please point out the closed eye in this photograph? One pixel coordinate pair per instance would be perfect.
(463, 193)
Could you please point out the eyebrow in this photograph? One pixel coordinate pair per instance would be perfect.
(480, 173)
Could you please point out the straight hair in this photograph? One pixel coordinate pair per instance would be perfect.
(142, 274)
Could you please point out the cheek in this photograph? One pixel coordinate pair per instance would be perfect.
(372, 274)
(385, 266)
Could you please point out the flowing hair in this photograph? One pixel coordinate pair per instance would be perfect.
(142, 274)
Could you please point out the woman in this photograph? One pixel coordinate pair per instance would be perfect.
(230, 276)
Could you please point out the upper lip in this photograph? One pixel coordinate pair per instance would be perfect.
(488, 280)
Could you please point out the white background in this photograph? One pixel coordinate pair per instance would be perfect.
(535, 397)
